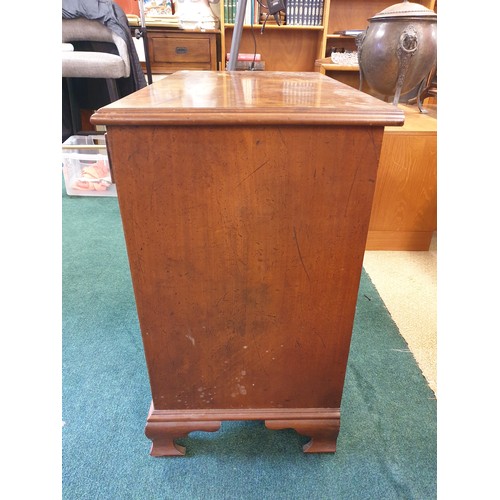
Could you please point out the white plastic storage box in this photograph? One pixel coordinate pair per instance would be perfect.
(86, 166)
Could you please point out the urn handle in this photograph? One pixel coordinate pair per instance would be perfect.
(407, 48)
(408, 41)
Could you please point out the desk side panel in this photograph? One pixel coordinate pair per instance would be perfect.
(245, 246)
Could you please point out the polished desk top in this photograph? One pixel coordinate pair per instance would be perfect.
(249, 97)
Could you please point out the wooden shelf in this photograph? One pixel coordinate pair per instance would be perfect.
(282, 47)
(334, 35)
(325, 65)
(283, 27)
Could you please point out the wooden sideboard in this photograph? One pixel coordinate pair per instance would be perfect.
(404, 213)
(245, 199)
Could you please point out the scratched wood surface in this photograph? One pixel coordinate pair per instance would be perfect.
(245, 199)
(246, 259)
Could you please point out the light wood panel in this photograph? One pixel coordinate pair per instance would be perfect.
(404, 213)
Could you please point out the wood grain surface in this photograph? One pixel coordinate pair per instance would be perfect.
(245, 243)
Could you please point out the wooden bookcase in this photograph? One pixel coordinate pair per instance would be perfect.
(354, 15)
(283, 48)
(296, 48)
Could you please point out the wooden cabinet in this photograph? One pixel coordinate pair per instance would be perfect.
(245, 200)
(174, 49)
(296, 48)
(404, 213)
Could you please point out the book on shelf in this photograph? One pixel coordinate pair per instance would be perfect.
(251, 10)
(242, 56)
(304, 12)
(348, 32)
(250, 65)
(229, 11)
(297, 13)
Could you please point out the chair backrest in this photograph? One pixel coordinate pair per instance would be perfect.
(82, 29)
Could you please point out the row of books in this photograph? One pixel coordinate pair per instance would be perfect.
(297, 12)
(304, 12)
(251, 11)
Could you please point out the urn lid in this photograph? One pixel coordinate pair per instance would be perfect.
(405, 10)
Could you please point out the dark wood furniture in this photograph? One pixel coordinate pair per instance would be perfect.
(245, 199)
(173, 50)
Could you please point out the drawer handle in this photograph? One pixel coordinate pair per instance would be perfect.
(181, 50)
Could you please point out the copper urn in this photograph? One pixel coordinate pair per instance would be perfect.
(398, 50)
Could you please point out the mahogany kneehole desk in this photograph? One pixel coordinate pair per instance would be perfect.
(245, 199)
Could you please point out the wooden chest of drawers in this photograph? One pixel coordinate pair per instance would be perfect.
(245, 199)
(174, 50)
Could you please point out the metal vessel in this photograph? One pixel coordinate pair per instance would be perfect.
(398, 50)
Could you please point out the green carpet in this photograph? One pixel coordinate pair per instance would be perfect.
(387, 442)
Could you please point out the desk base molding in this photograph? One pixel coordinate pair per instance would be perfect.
(399, 240)
(164, 427)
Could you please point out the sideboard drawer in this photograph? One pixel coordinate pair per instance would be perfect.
(173, 51)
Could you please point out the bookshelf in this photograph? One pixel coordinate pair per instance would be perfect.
(293, 45)
(354, 15)
(296, 47)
